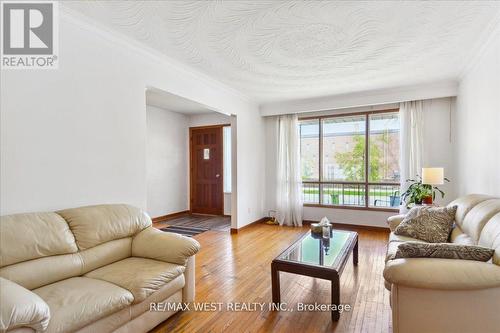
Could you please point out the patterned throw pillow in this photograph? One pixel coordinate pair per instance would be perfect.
(443, 250)
(430, 224)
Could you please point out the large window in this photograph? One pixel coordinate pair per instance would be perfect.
(351, 160)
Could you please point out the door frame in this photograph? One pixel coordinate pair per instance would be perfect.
(191, 176)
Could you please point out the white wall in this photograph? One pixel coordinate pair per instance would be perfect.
(77, 135)
(478, 123)
(207, 119)
(438, 151)
(166, 162)
(250, 167)
(214, 118)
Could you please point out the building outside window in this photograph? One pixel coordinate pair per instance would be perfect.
(351, 160)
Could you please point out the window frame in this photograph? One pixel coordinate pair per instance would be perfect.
(366, 183)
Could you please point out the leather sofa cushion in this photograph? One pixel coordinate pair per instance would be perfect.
(445, 274)
(94, 225)
(23, 330)
(478, 216)
(395, 220)
(123, 320)
(457, 236)
(148, 320)
(77, 302)
(105, 254)
(56, 268)
(398, 238)
(465, 204)
(140, 276)
(490, 237)
(34, 235)
(159, 296)
(20, 307)
(43, 271)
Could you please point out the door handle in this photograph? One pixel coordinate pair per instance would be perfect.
(217, 176)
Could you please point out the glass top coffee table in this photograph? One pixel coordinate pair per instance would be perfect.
(315, 256)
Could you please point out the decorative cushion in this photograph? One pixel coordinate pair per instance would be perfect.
(443, 250)
(430, 224)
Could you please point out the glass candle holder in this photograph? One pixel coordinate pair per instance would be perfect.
(326, 231)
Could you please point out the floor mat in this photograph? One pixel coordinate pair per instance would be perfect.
(186, 231)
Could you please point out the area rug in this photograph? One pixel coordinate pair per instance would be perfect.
(186, 231)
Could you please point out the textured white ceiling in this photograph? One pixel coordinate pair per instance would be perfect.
(280, 50)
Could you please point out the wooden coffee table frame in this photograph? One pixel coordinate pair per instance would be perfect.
(331, 273)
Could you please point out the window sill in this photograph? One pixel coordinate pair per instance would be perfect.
(382, 209)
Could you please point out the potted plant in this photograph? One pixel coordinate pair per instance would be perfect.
(418, 193)
(335, 198)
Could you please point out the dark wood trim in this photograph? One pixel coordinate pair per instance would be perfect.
(348, 226)
(210, 126)
(262, 219)
(208, 215)
(390, 210)
(333, 182)
(167, 217)
(190, 169)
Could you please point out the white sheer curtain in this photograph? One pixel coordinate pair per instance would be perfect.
(411, 141)
(289, 184)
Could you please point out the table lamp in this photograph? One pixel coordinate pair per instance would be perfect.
(432, 176)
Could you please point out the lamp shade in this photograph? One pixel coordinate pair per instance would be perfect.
(433, 176)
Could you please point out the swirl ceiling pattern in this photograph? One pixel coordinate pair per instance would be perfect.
(281, 50)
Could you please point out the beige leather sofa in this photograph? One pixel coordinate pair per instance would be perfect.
(448, 295)
(90, 269)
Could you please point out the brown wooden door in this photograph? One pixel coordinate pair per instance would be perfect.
(206, 167)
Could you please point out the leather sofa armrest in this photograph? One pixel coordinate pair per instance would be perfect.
(442, 274)
(164, 246)
(20, 307)
(188, 292)
(394, 221)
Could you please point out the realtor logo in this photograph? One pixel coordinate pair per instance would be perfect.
(29, 35)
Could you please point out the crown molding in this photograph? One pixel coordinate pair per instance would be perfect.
(484, 42)
(362, 98)
(92, 26)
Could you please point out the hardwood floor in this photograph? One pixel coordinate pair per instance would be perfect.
(220, 223)
(237, 268)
